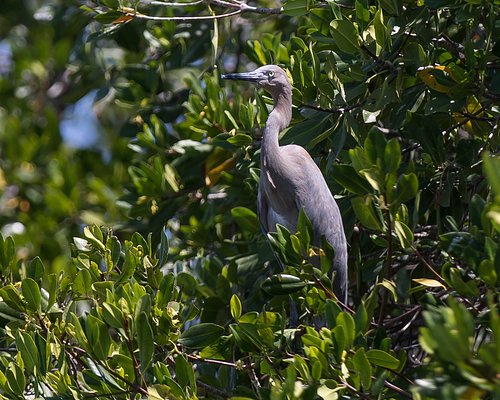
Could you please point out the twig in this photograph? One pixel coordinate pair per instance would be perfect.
(135, 387)
(254, 379)
(340, 110)
(353, 389)
(168, 4)
(427, 265)
(395, 320)
(211, 361)
(239, 7)
(397, 389)
(181, 18)
(331, 294)
(137, 367)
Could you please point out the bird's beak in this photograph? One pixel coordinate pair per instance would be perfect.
(244, 76)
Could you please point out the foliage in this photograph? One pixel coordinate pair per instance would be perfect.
(398, 102)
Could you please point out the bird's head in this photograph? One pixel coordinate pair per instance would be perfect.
(269, 77)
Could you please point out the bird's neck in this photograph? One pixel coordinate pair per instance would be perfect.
(278, 119)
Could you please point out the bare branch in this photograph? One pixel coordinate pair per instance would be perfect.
(168, 4)
(182, 18)
(239, 7)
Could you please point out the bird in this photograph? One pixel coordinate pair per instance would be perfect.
(290, 180)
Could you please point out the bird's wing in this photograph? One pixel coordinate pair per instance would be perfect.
(314, 197)
(262, 208)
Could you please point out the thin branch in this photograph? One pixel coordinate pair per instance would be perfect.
(240, 7)
(168, 4)
(353, 389)
(397, 319)
(253, 378)
(340, 110)
(429, 266)
(137, 368)
(397, 389)
(182, 18)
(211, 361)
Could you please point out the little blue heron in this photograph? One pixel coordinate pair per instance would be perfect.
(290, 180)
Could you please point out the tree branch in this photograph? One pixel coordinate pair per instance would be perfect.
(340, 110)
(237, 6)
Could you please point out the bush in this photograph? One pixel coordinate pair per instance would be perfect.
(397, 102)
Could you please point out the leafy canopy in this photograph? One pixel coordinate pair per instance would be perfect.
(181, 297)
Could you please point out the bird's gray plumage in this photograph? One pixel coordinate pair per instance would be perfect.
(290, 180)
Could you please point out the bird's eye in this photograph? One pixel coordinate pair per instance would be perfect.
(270, 74)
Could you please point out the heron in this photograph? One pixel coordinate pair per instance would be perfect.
(290, 180)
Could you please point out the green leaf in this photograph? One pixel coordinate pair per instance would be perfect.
(12, 298)
(382, 359)
(375, 145)
(184, 373)
(114, 248)
(332, 311)
(35, 269)
(98, 337)
(29, 352)
(31, 293)
(281, 284)
(391, 6)
(131, 262)
(247, 336)
(347, 176)
(492, 170)
(7, 253)
(145, 340)
(94, 235)
(365, 212)
(44, 353)
(16, 381)
(236, 307)
(476, 207)
(488, 273)
(381, 33)
(165, 291)
(305, 131)
(346, 321)
(363, 367)
(295, 8)
(404, 234)
(345, 35)
(201, 335)
(240, 140)
(304, 231)
(406, 189)
(361, 318)
(82, 285)
(374, 177)
(246, 219)
(108, 17)
(110, 3)
(392, 156)
(112, 315)
(302, 367)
